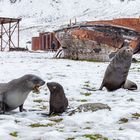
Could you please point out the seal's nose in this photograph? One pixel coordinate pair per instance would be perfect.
(129, 51)
(48, 84)
(42, 83)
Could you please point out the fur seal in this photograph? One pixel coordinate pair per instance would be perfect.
(58, 100)
(117, 71)
(130, 85)
(14, 93)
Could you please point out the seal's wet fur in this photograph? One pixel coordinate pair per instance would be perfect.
(117, 71)
(58, 100)
(14, 93)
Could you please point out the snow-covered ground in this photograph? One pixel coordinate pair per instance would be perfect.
(74, 76)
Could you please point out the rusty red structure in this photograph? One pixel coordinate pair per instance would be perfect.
(44, 41)
(131, 23)
(7, 31)
(98, 40)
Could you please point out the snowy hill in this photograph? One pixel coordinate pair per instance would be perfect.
(47, 15)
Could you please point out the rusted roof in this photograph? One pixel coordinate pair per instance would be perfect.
(132, 23)
(134, 42)
(4, 20)
(99, 37)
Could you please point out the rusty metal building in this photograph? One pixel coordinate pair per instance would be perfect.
(97, 40)
(8, 29)
(44, 41)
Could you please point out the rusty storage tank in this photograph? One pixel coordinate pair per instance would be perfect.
(41, 43)
(47, 38)
(50, 38)
(44, 41)
(35, 43)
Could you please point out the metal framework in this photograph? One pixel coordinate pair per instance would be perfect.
(7, 32)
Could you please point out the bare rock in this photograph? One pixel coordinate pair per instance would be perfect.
(90, 107)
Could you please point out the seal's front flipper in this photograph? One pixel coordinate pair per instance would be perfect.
(2, 104)
(3, 107)
(101, 87)
(21, 109)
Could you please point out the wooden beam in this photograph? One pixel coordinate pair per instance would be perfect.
(6, 33)
(8, 20)
(1, 36)
(9, 36)
(18, 34)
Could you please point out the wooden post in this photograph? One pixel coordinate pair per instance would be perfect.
(1, 35)
(50, 40)
(75, 21)
(70, 22)
(9, 36)
(7, 32)
(18, 33)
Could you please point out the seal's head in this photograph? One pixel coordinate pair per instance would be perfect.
(33, 82)
(126, 52)
(54, 87)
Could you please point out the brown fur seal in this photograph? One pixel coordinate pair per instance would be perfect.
(129, 85)
(14, 93)
(117, 71)
(58, 100)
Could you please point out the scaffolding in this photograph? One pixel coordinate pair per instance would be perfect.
(9, 29)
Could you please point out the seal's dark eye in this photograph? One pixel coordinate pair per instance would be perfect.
(35, 81)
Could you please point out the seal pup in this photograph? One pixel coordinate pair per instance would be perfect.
(130, 85)
(14, 93)
(117, 71)
(58, 101)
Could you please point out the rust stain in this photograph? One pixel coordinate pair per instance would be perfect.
(99, 37)
(135, 42)
(113, 38)
(35, 43)
(133, 23)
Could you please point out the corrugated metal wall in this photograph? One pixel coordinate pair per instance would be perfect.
(35, 43)
(44, 42)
